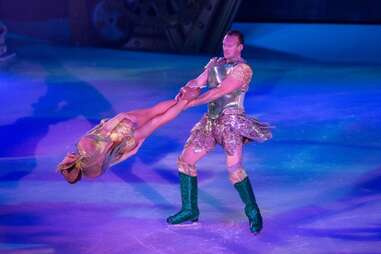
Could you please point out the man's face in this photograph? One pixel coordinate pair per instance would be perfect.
(231, 46)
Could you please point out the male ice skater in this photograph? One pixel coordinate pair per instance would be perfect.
(226, 124)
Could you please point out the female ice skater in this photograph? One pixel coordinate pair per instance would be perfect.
(118, 138)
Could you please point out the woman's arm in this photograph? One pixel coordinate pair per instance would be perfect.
(144, 131)
(159, 120)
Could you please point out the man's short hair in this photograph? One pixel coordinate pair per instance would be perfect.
(238, 34)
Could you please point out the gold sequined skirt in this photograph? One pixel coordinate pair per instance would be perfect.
(231, 129)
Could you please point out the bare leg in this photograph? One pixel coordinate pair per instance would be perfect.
(188, 159)
(242, 184)
(234, 165)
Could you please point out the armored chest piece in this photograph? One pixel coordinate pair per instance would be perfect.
(217, 74)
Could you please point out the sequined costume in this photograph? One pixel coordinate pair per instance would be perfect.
(226, 123)
(106, 144)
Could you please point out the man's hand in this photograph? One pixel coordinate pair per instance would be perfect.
(188, 93)
(192, 83)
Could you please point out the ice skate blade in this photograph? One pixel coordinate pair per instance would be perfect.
(186, 225)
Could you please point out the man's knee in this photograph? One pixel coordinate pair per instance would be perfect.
(236, 173)
(186, 167)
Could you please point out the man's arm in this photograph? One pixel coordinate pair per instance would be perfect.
(227, 86)
(200, 81)
(239, 77)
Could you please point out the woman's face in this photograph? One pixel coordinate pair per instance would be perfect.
(72, 174)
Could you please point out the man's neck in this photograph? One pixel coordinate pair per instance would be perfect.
(234, 59)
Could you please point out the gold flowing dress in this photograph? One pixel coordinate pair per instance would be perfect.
(108, 143)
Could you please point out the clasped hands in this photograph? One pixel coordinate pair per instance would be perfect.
(188, 92)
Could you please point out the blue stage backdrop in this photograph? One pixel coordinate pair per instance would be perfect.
(349, 11)
(326, 11)
(75, 21)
